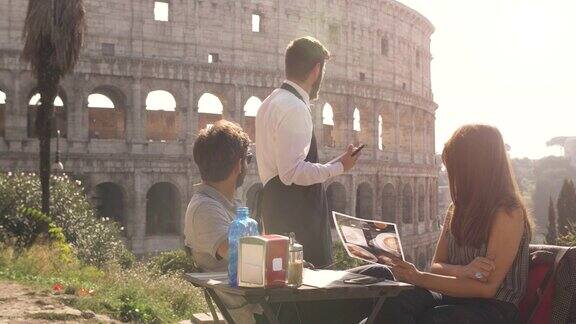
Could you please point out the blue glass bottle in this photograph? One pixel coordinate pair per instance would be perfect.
(242, 226)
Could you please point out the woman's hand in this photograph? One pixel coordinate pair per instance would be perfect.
(479, 269)
(405, 272)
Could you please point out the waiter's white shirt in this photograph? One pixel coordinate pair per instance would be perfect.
(283, 134)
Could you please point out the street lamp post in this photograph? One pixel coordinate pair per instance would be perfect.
(58, 167)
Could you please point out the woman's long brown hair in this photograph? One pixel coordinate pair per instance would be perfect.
(481, 182)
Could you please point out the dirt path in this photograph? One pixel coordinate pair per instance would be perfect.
(21, 304)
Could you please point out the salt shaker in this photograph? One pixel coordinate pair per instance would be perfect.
(295, 263)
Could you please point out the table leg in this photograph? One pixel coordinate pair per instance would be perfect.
(376, 310)
(210, 304)
(268, 312)
(221, 307)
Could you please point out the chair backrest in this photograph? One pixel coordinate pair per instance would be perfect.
(545, 300)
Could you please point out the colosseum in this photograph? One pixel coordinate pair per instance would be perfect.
(152, 73)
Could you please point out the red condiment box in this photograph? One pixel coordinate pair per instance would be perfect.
(263, 261)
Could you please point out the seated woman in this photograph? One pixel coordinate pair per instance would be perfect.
(480, 268)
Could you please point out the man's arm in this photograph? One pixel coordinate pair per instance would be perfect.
(293, 136)
(222, 252)
(211, 230)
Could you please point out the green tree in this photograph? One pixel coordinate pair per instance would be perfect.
(552, 236)
(53, 34)
(566, 207)
(549, 174)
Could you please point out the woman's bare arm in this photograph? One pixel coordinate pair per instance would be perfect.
(503, 245)
(439, 261)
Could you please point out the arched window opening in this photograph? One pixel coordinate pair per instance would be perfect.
(256, 20)
(336, 196)
(160, 100)
(161, 10)
(162, 118)
(364, 201)
(108, 202)
(35, 101)
(356, 116)
(2, 113)
(380, 139)
(210, 110)
(421, 203)
(210, 104)
(59, 120)
(356, 126)
(250, 110)
(384, 46)
(251, 107)
(389, 203)
(107, 116)
(97, 100)
(328, 125)
(162, 209)
(327, 115)
(407, 205)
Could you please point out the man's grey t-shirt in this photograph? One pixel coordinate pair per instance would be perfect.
(208, 217)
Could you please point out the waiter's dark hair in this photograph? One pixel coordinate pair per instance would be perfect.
(218, 148)
(302, 55)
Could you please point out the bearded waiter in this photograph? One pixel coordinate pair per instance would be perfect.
(293, 198)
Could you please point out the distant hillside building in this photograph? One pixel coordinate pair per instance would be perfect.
(568, 143)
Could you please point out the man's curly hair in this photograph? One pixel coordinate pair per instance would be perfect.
(218, 148)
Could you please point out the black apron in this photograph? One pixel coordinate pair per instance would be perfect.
(299, 209)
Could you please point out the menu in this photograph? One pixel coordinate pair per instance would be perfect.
(368, 240)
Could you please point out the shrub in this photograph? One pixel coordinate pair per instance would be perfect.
(95, 241)
(172, 261)
(568, 239)
(342, 261)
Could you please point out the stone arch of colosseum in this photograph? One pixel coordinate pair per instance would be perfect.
(60, 121)
(388, 203)
(365, 201)
(337, 196)
(107, 123)
(110, 202)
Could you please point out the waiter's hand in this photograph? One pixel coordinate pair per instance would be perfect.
(348, 161)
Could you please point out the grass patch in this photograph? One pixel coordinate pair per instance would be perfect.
(139, 294)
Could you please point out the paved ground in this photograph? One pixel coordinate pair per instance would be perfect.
(21, 304)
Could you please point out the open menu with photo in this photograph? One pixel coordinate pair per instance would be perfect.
(371, 241)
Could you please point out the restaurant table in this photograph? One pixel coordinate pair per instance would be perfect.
(319, 285)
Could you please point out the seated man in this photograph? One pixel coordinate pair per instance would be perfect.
(221, 154)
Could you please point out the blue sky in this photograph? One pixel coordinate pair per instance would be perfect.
(509, 63)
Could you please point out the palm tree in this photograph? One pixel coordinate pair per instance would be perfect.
(53, 34)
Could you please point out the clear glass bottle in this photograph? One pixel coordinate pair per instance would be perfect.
(295, 263)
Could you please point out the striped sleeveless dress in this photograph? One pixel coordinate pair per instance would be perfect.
(514, 285)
